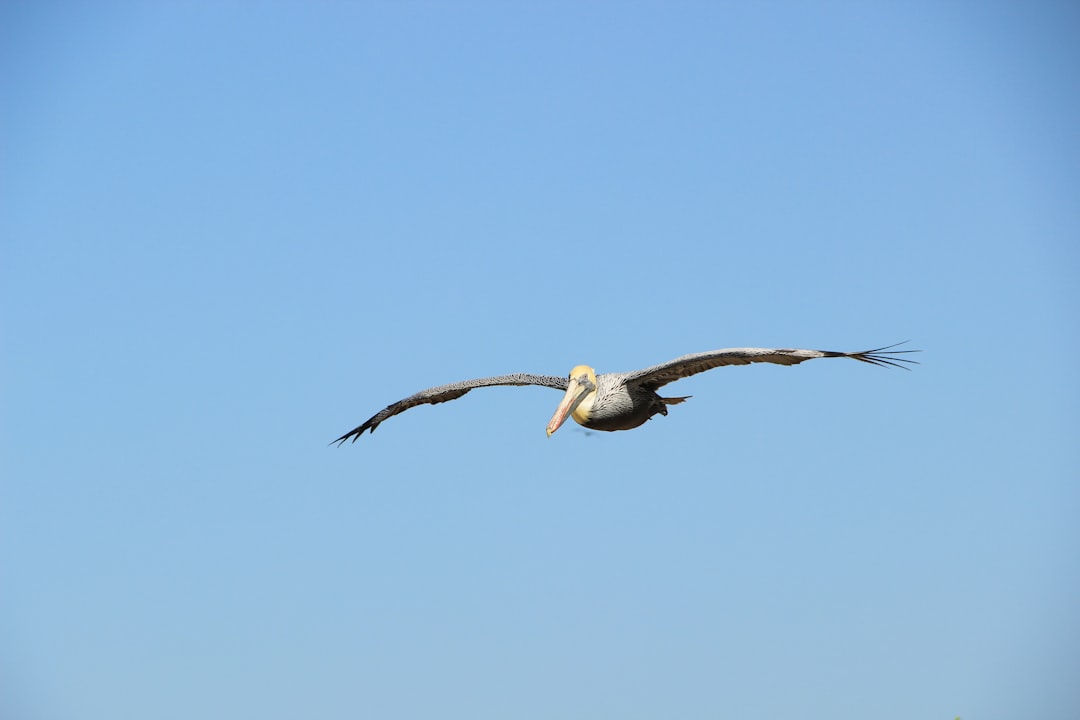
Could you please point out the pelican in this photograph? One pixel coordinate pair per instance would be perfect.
(623, 401)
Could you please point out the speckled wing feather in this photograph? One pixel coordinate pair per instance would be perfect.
(659, 375)
(453, 391)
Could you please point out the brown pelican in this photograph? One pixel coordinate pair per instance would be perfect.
(621, 401)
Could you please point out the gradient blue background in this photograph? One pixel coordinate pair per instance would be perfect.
(232, 231)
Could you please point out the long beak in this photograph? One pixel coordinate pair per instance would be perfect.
(575, 393)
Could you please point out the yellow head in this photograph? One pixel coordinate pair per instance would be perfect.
(578, 400)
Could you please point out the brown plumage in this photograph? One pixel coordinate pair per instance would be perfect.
(621, 401)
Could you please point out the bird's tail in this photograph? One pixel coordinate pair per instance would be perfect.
(675, 401)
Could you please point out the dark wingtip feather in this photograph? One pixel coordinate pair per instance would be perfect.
(354, 434)
(341, 440)
(886, 356)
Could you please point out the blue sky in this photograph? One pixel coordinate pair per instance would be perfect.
(233, 231)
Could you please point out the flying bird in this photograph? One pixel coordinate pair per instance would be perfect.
(623, 401)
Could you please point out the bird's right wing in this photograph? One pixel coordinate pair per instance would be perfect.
(453, 391)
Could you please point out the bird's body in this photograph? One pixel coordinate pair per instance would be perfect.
(623, 401)
(618, 405)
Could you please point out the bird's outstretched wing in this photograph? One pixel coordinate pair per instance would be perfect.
(452, 391)
(659, 375)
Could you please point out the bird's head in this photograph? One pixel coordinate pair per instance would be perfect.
(580, 393)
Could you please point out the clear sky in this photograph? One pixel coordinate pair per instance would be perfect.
(232, 231)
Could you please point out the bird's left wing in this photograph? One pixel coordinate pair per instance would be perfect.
(659, 375)
(453, 391)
